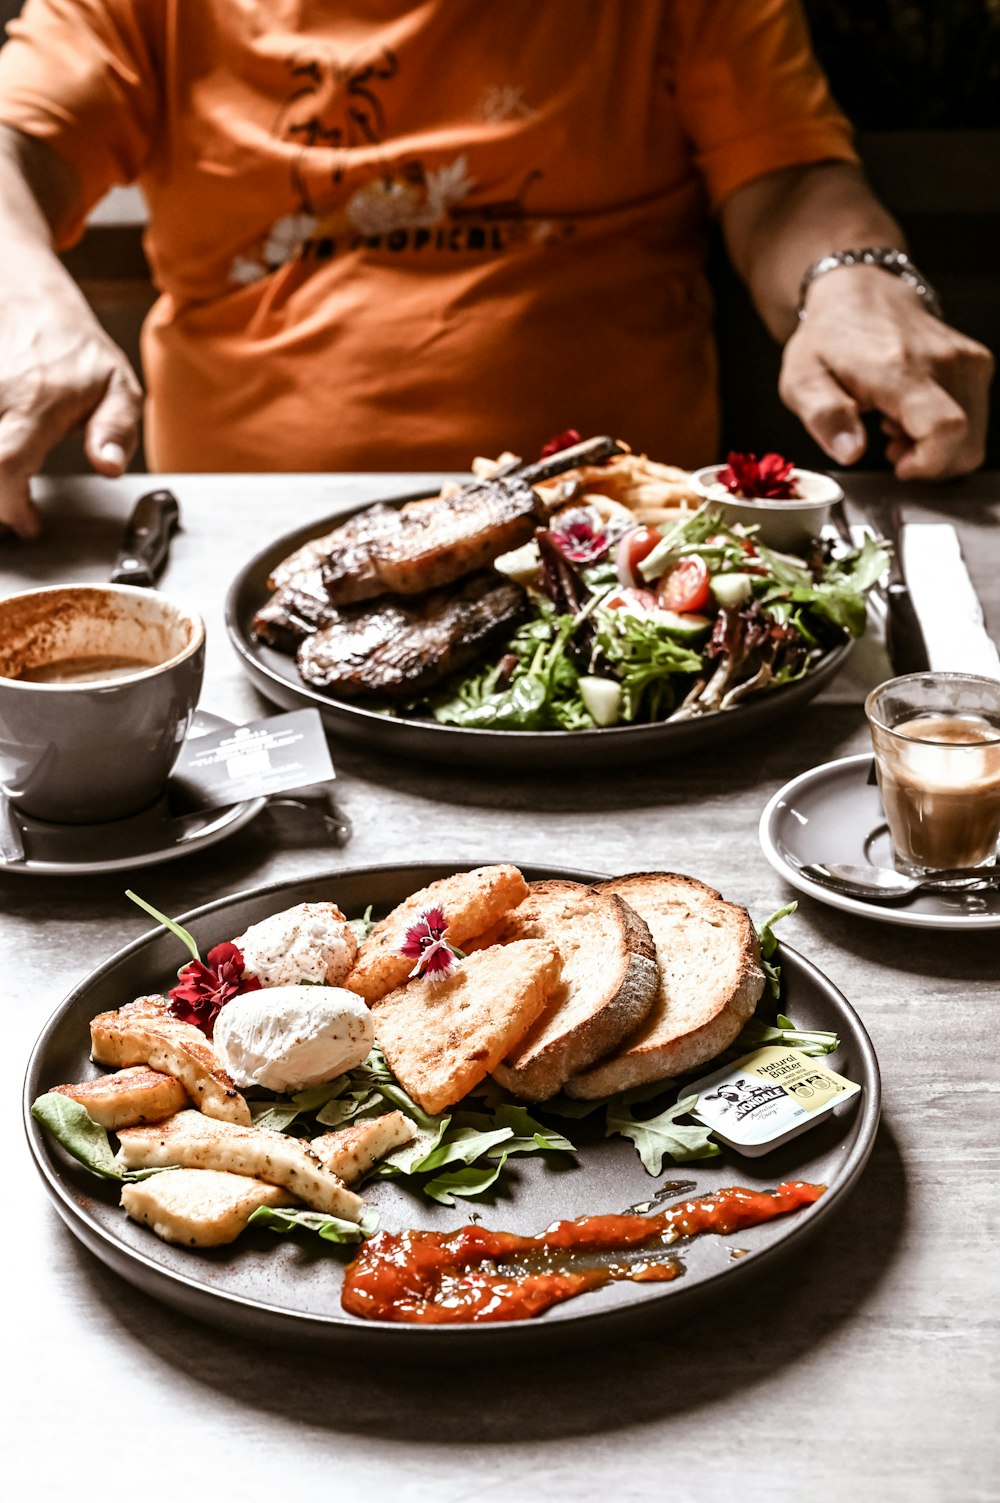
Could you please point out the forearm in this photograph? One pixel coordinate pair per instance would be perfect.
(778, 225)
(38, 194)
(58, 368)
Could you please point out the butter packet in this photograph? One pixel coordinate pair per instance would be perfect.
(767, 1097)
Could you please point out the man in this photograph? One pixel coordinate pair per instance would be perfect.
(390, 235)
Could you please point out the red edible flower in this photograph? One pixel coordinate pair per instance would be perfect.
(561, 441)
(767, 478)
(580, 543)
(202, 990)
(425, 943)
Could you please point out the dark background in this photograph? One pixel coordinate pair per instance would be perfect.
(920, 79)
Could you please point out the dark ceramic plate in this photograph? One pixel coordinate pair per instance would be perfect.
(286, 1289)
(276, 676)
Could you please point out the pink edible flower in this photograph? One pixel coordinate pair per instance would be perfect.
(425, 943)
(579, 542)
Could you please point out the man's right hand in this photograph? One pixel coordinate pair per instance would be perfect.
(58, 368)
(58, 371)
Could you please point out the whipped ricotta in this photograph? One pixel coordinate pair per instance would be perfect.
(286, 1038)
(310, 942)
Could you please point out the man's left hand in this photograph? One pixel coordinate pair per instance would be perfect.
(868, 344)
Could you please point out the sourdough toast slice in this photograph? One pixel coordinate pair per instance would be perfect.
(609, 983)
(471, 903)
(710, 982)
(441, 1038)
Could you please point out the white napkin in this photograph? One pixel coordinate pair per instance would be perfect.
(947, 608)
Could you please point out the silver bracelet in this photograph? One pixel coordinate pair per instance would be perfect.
(886, 258)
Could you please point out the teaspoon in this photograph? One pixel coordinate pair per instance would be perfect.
(882, 884)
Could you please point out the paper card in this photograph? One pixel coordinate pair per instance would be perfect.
(247, 761)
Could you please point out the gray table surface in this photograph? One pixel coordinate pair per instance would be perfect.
(869, 1365)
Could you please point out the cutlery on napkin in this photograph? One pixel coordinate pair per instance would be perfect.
(904, 638)
(950, 614)
(946, 606)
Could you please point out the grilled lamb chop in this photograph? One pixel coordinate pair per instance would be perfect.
(356, 530)
(399, 648)
(436, 542)
(435, 545)
(294, 611)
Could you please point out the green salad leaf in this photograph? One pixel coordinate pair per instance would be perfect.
(72, 1126)
(541, 693)
(768, 945)
(757, 1034)
(464, 1183)
(662, 1136)
(463, 1145)
(363, 926)
(684, 536)
(527, 1135)
(279, 1113)
(276, 1116)
(646, 657)
(409, 1158)
(330, 1228)
(479, 1140)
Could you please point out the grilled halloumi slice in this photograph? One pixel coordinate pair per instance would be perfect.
(195, 1142)
(128, 1098)
(144, 1032)
(200, 1207)
(351, 1151)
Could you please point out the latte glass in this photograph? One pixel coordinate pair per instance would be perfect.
(98, 687)
(937, 756)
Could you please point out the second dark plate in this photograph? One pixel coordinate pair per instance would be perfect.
(277, 678)
(287, 1289)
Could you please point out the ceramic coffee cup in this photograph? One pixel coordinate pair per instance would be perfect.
(98, 686)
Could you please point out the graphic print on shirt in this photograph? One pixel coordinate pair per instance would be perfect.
(335, 115)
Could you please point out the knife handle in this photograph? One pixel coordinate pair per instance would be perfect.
(155, 518)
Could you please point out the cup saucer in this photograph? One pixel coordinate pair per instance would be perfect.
(154, 835)
(834, 813)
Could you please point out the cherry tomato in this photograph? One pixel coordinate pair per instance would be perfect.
(685, 586)
(636, 544)
(639, 602)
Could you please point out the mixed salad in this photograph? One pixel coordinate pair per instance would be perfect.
(637, 624)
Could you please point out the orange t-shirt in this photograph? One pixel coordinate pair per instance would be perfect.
(391, 235)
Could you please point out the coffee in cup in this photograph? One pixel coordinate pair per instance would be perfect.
(98, 686)
(936, 738)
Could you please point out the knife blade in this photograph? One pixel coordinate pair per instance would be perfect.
(146, 540)
(904, 639)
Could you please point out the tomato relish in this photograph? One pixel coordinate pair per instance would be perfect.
(473, 1274)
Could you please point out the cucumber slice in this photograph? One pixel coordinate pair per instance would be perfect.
(603, 698)
(732, 590)
(686, 627)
